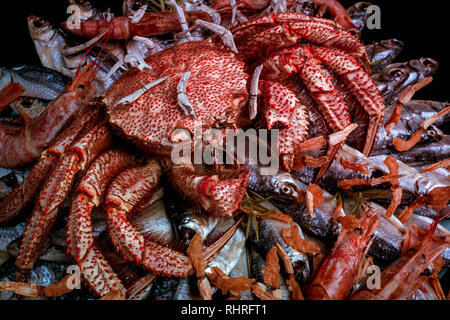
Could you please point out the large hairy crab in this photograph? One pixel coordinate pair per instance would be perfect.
(325, 77)
(313, 84)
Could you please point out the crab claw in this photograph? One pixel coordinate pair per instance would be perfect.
(220, 196)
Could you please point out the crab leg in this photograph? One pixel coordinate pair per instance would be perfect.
(135, 95)
(16, 201)
(54, 191)
(88, 195)
(276, 31)
(365, 91)
(299, 60)
(220, 197)
(125, 192)
(181, 18)
(253, 100)
(283, 110)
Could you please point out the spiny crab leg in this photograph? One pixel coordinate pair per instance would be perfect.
(81, 245)
(55, 189)
(16, 200)
(235, 13)
(367, 94)
(127, 190)
(183, 100)
(253, 101)
(181, 17)
(224, 33)
(135, 95)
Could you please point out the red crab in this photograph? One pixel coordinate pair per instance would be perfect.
(302, 57)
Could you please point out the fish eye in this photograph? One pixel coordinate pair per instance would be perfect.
(396, 73)
(432, 133)
(286, 190)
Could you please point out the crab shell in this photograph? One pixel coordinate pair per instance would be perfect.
(217, 89)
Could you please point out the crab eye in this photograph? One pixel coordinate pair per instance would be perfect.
(395, 73)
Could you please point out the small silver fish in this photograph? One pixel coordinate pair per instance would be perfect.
(39, 82)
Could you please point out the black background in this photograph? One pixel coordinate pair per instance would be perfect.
(422, 25)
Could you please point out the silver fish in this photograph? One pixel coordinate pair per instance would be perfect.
(39, 82)
(393, 79)
(227, 258)
(187, 220)
(229, 255)
(383, 53)
(49, 44)
(270, 231)
(358, 14)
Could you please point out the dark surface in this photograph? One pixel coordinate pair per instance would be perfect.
(421, 25)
